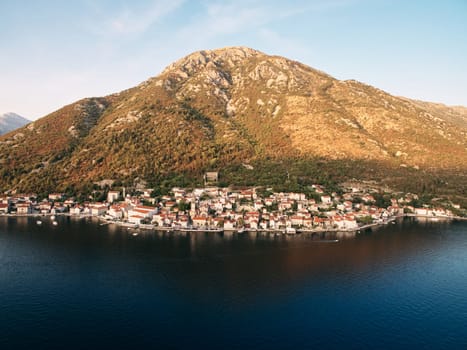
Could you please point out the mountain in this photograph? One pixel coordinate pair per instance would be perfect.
(11, 121)
(255, 118)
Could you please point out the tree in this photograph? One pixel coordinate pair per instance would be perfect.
(184, 206)
(365, 220)
(382, 201)
(295, 206)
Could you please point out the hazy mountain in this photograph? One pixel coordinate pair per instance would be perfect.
(11, 121)
(225, 108)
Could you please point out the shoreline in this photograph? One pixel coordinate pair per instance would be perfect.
(151, 227)
(298, 231)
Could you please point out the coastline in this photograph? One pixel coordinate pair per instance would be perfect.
(299, 231)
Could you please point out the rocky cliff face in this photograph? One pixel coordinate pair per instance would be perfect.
(235, 105)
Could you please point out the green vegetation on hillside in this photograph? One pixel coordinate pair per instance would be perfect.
(258, 120)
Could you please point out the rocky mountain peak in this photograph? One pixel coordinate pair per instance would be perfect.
(215, 108)
(206, 59)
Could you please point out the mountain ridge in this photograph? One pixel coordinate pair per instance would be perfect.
(216, 108)
(11, 121)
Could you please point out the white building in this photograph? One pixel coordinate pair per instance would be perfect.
(112, 196)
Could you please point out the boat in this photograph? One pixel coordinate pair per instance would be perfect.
(55, 223)
(290, 231)
(135, 233)
(39, 222)
(52, 217)
(326, 241)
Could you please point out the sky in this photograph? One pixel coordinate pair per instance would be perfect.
(55, 52)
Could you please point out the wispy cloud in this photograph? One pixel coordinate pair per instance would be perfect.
(220, 19)
(224, 18)
(130, 20)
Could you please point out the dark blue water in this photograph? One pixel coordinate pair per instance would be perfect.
(81, 285)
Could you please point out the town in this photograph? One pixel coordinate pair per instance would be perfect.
(227, 209)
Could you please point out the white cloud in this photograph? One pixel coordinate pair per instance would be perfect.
(224, 19)
(132, 21)
(285, 46)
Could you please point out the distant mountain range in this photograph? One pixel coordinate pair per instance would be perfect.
(11, 121)
(234, 110)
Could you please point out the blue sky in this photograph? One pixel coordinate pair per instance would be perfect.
(54, 52)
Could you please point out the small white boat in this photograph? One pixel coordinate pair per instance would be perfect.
(39, 222)
(55, 223)
(52, 217)
(135, 233)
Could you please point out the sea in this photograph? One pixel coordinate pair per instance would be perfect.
(81, 285)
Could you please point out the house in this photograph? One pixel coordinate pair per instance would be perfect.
(56, 196)
(211, 191)
(350, 222)
(253, 224)
(439, 212)
(211, 176)
(178, 193)
(159, 219)
(307, 222)
(326, 199)
(258, 205)
(317, 221)
(5, 200)
(318, 189)
(313, 207)
(229, 224)
(4, 208)
(338, 222)
(198, 192)
(115, 211)
(296, 196)
(76, 210)
(59, 209)
(396, 210)
(45, 207)
(144, 211)
(264, 224)
(252, 215)
(183, 221)
(368, 198)
(69, 202)
(327, 223)
(147, 192)
(98, 210)
(348, 205)
(170, 204)
(112, 196)
(273, 224)
(246, 194)
(296, 220)
(285, 204)
(422, 211)
(136, 219)
(200, 221)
